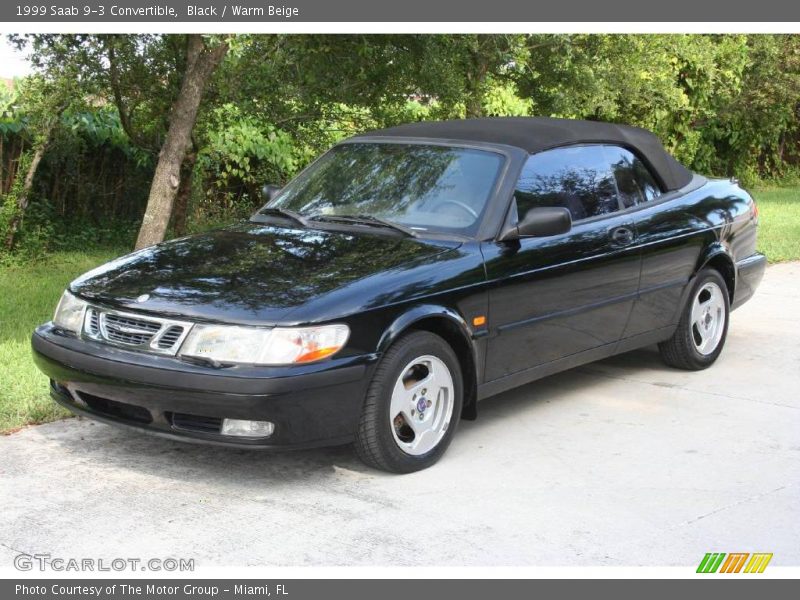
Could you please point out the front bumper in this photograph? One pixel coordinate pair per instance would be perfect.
(311, 405)
(749, 273)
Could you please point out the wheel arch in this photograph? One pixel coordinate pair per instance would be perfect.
(718, 257)
(453, 328)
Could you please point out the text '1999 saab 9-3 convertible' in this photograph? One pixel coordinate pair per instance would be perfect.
(402, 277)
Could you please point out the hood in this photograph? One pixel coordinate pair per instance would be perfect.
(248, 273)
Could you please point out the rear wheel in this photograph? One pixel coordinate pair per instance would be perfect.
(412, 406)
(701, 333)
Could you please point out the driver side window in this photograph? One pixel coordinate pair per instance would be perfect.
(578, 178)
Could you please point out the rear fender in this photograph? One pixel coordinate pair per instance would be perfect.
(718, 257)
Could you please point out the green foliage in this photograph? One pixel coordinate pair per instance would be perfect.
(239, 154)
(241, 148)
(45, 231)
(9, 208)
(723, 104)
(137, 74)
(756, 134)
(101, 127)
(502, 100)
(91, 183)
(10, 121)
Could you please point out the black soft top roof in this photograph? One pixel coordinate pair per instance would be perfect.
(535, 134)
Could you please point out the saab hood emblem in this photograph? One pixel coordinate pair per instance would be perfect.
(143, 298)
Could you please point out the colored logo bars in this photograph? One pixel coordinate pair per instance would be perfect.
(714, 562)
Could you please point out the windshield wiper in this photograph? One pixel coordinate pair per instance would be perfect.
(368, 220)
(286, 213)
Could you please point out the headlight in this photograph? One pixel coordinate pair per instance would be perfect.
(69, 313)
(253, 345)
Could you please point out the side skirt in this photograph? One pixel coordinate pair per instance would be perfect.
(508, 382)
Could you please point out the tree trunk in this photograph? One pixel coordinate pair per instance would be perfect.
(180, 210)
(200, 65)
(15, 152)
(27, 184)
(476, 76)
(475, 105)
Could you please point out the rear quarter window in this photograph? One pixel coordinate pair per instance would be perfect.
(579, 178)
(634, 181)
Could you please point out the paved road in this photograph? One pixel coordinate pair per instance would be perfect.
(624, 462)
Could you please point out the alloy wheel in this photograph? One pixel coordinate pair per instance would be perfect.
(708, 318)
(422, 405)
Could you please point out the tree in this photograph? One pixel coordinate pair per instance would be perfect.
(212, 135)
(757, 131)
(45, 101)
(144, 79)
(673, 85)
(461, 70)
(201, 62)
(156, 83)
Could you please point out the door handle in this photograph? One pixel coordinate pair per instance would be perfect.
(621, 236)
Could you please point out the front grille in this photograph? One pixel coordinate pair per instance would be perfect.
(93, 324)
(134, 331)
(170, 336)
(196, 423)
(127, 330)
(117, 410)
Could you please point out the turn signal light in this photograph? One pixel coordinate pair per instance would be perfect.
(316, 354)
(479, 321)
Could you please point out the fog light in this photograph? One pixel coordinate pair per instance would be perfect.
(247, 428)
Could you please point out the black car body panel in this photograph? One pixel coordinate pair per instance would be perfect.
(256, 274)
(611, 284)
(313, 405)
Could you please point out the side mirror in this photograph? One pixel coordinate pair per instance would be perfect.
(542, 221)
(269, 191)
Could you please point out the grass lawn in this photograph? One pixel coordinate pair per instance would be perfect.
(779, 222)
(28, 296)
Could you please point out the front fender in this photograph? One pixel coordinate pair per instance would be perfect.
(449, 324)
(418, 313)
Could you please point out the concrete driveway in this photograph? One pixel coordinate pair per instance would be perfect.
(623, 462)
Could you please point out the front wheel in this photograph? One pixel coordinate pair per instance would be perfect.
(701, 333)
(412, 406)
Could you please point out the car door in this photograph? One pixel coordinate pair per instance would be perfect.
(559, 296)
(668, 253)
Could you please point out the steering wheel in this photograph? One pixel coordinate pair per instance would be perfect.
(460, 205)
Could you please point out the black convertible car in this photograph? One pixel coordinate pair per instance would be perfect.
(403, 276)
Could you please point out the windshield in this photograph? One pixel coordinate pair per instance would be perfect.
(421, 187)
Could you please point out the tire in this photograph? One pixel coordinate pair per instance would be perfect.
(411, 439)
(701, 332)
